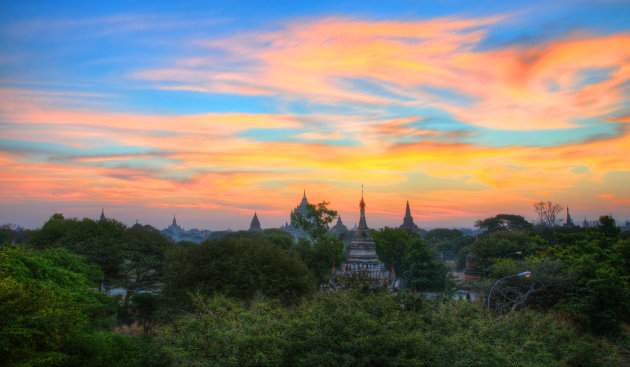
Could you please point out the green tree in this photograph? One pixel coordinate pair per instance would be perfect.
(238, 268)
(392, 245)
(46, 300)
(504, 222)
(422, 272)
(322, 249)
(101, 242)
(414, 260)
(145, 308)
(448, 241)
(144, 253)
(498, 245)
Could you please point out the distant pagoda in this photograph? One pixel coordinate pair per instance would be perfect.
(408, 223)
(569, 221)
(339, 227)
(174, 228)
(362, 247)
(254, 226)
(102, 214)
(303, 210)
(362, 262)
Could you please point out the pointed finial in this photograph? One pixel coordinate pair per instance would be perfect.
(304, 196)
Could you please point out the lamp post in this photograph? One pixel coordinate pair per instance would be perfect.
(525, 274)
(519, 253)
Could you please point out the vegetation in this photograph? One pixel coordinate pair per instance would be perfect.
(250, 298)
(51, 316)
(376, 329)
(414, 261)
(321, 249)
(239, 268)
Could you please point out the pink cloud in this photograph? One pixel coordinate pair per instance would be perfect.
(509, 86)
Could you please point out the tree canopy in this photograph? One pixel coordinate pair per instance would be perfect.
(238, 268)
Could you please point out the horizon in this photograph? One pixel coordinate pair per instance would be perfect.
(212, 112)
(244, 227)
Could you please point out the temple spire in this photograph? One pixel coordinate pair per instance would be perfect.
(102, 214)
(255, 224)
(174, 221)
(408, 223)
(569, 221)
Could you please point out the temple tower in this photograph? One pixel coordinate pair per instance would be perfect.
(255, 224)
(102, 214)
(569, 221)
(362, 249)
(408, 223)
(339, 227)
(362, 263)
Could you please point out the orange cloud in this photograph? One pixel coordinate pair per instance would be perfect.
(509, 88)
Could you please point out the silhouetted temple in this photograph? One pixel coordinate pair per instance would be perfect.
(102, 214)
(339, 227)
(174, 228)
(408, 223)
(255, 224)
(302, 209)
(178, 233)
(569, 221)
(362, 262)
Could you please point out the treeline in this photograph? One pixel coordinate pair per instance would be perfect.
(261, 298)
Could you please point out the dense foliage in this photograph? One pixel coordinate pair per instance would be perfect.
(319, 249)
(50, 315)
(129, 257)
(415, 263)
(582, 273)
(249, 298)
(238, 268)
(377, 329)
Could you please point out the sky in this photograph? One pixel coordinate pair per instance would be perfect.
(212, 111)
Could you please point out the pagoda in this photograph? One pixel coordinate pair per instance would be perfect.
(569, 221)
(339, 227)
(102, 214)
(408, 223)
(301, 209)
(254, 226)
(362, 262)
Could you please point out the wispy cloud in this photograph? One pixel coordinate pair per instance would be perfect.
(520, 87)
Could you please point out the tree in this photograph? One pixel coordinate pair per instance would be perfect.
(414, 260)
(499, 244)
(315, 222)
(448, 241)
(322, 249)
(422, 272)
(101, 242)
(503, 222)
(238, 268)
(144, 252)
(46, 300)
(608, 227)
(392, 244)
(145, 308)
(548, 213)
